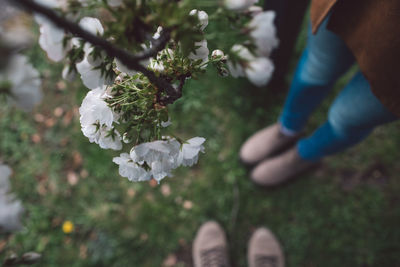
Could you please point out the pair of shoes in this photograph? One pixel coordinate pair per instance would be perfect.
(210, 248)
(272, 168)
(265, 143)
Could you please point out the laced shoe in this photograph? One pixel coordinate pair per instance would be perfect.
(265, 143)
(264, 250)
(281, 168)
(210, 248)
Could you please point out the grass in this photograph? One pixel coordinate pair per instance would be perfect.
(344, 214)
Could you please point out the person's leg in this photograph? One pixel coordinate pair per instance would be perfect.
(352, 117)
(324, 60)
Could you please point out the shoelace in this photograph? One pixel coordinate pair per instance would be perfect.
(214, 257)
(266, 261)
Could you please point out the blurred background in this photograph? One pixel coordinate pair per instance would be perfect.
(80, 212)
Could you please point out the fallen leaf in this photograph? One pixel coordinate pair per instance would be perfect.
(84, 173)
(131, 192)
(36, 138)
(153, 183)
(58, 112)
(165, 190)
(77, 159)
(50, 122)
(61, 85)
(170, 261)
(187, 204)
(68, 117)
(72, 178)
(39, 117)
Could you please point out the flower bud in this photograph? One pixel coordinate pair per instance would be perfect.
(125, 138)
(202, 16)
(239, 5)
(217, 53)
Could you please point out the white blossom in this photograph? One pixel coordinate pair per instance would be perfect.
(157, 64)
(201, 52)
(239, 5)
(156, 151)
(91, 25)
(202, 16)
(10, 208)
(235, 68)
(51, 37)
(97, 118)
(91, 75)
(189, 154)
(259, 71)
(160, 157)
(263, 32)
(130, 169)
(158, 33)
(108, 141)
(25, 82)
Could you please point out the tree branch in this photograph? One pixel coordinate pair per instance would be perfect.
(126, 58)
(174, 95)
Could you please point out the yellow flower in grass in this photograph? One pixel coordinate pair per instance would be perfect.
(68, 227)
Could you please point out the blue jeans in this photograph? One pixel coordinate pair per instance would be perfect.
(354, 113)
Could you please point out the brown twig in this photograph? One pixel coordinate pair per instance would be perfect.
(129, 60)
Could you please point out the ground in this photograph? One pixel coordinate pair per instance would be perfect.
(345, 213)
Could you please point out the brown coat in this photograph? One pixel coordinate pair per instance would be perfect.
(371, 29)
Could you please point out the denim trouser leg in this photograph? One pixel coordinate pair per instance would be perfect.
(355, 112)
(352, 117)
(325, 58)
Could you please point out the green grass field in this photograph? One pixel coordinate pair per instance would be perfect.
(346, 213)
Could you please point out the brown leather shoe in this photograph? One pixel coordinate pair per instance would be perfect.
(264, 250)
(280, 169)
(265, 143)
(210, 248)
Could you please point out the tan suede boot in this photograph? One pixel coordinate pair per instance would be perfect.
(264, 250)
(281, 168)
(210, 248)
(264, 144)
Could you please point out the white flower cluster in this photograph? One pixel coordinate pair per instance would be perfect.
(100, 122)
(257, 67)
(10, 208)
(157, 159)
(25, 91)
